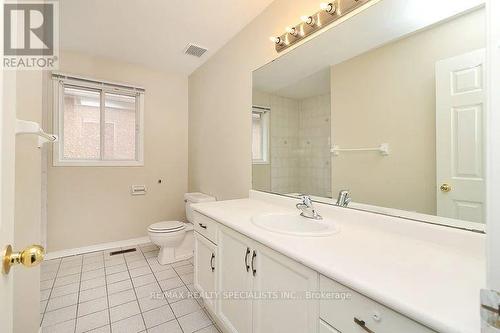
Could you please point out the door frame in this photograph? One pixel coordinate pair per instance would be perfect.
(493, 144)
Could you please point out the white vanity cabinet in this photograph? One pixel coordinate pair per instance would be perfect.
(279, 276)
(260, 291)
(205, 263)
(205, 226)
(326, 328)
(235, 276)
(265, 281)
(358, 314)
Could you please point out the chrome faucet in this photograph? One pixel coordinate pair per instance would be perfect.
(344, 198)
(306, 206)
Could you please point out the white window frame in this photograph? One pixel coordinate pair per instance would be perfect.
(265, 116)
(59, 82)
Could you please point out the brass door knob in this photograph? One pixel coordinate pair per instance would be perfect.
(445, 188)
(29, 257)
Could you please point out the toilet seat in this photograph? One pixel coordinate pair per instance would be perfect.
(166, 227)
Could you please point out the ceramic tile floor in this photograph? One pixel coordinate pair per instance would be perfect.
(129, 292)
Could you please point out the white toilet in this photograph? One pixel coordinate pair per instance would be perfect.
(176, 239)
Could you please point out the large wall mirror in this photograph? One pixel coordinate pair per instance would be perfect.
(389, 104)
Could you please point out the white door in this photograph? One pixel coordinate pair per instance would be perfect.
(20, 211)
(19, 200)
(205, 258)
(282, 285)
(460, 148)
(234, 276)
(7, 152)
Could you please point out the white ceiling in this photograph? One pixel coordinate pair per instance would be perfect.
(154, 33)
(310, 86)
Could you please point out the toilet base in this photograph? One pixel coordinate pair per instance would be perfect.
(169, 255)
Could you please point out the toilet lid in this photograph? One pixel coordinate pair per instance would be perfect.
(167, 226)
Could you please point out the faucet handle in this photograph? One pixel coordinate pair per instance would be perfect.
(306, 200)
(344, 198)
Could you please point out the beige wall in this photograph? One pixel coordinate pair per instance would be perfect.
(220, 98)
(92, 205)
(388, 95)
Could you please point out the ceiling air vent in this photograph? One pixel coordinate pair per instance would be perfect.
(194, 50)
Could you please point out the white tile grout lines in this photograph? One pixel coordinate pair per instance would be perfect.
(148, 255)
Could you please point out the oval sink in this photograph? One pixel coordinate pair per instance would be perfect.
(294, 224)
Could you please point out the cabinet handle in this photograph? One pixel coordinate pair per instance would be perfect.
(254, 255)
(246, 259)
(202, 225)
(212, 262)
(363, 325)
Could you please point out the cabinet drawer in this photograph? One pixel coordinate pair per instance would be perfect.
(205, 226)
(341, 313)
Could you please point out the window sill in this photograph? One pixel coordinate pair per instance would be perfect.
(260, 162)
(98, 164)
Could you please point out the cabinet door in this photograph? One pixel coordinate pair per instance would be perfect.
(205, 269)
(287, 283)
(234, 280)
(325, 328)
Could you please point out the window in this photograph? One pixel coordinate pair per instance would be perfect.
(99, 124)
(260, 135)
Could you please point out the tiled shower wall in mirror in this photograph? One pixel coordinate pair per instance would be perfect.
(314, 139)
(299, 145)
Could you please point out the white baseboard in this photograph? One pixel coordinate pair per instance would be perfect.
(97, 247)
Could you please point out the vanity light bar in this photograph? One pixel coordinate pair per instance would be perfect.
(329, 13)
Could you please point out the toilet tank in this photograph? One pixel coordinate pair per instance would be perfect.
(196, 197)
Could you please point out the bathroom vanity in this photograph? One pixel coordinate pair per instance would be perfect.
(376, 274)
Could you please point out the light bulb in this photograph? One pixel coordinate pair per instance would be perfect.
(292, 31)
(325, 6)
(307, 20)
(276, 40)
(328, 7)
